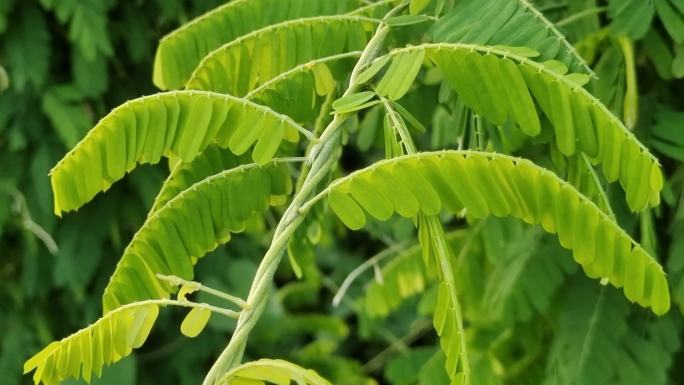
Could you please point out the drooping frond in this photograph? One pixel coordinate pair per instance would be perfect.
(179, 123)
(267, 371)
(180, 51)
(300, 92)
(487, 183)
(507, 22)
(500, 85)
(191, 224)
(211, 161)
(104, 342)
(448, 318)
(243, 64)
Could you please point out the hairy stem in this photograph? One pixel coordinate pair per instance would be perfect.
(319, 126)
(369, 53)
(322, 157)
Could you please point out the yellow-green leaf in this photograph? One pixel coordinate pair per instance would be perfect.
(417, 6)
(349, 102)
(195, 321)
(324, 81)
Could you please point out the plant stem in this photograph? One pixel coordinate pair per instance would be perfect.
(322, 158)
(631, 102)
(369, 53)
(177, 281)
(417, 330)
(370, 6)
(339, 295)
(367, 56)
(171, 302)
(20, 207)
(579, 15)
(319, 125)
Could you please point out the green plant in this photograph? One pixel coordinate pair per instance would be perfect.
(54, 95)
(260, 74)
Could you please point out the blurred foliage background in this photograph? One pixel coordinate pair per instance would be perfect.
(69, 62)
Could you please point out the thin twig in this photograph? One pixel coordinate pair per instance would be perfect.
(27, 222)
(177, 281)
(579, 15)
(365, 266)
(417, 331)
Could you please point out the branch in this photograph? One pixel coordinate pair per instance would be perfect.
(322, 157)
(196, 286)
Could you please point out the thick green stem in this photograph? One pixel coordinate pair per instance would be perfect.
(319, 126)
(258, 294)
(322, 157)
